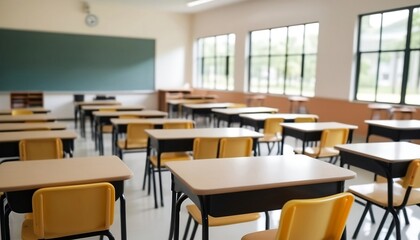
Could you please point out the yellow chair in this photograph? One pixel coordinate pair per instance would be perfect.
(319, 218)
(272, 134)
(235, 147)
(237, 105)
(207, 148)
(128, 116)
(135, 140)
(21, 112)
(108, 127)
(153, 163)
(406, 193)
(71, 211)
(325, 149)
(38, 149)
(305, 119)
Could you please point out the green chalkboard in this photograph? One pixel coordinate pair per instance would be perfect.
(67, 62)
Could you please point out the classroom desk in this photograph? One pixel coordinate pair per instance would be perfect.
(202, 108)
(377, 109)
(9, 141)
(174, 105)
(86, 111)
(394, 129)
(35, 110)
(311, 131)
(256, 120)
(14, 127)
(104, 118)
(296, 104)
(231, 115)
(20, 179)
(258, 183)
(388, 159)
(78, 107)
(179, 140)
(27, 118)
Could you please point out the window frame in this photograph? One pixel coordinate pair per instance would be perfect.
(406, 58)
(286, 56)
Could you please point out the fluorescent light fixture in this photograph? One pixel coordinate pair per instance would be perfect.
(197, 2)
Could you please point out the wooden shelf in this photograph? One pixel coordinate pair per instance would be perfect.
(26, 99)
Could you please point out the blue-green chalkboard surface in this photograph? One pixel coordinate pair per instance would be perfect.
(67, 62)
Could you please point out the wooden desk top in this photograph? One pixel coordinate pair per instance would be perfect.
(17, 136)
(183, 101)
(395, 124)
(384, 151)
(168, 134)
(298, 99)
(234, 111)
(34, 110)
(24, 118)
(144, 113)
(156, 121)
(9, 127)
(379, 106)
(264, 116)
(317, 126)
(117, 107)
(208, 105)
(26, 175)
(255, 173)
(97, 102)
(196, 96)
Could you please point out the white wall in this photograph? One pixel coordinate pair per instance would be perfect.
(116, 18)
(338, 21)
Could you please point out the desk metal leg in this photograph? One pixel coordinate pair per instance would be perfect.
(177, 200)
(204, 219)
(123, 218)
(2, 217)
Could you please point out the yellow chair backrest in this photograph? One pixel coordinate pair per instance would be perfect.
(21, 112)
(136, 136)
(332, 137)
(412, 177)
(321, 218)
(238, 105)
(71, 210)
(178, 125)
(39, 149)
(305, 119)
(272, 125)
(235, 147)
(128, 116)
(205, 148)
(107, 110)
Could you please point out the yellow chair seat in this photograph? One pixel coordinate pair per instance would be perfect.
(270, 138)
(140, 143)
(261, 235)
(107, 129)
(170, 156)
(377, 193)
(220, 221)
(315, 152)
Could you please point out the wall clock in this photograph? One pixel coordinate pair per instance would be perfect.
(91, 20)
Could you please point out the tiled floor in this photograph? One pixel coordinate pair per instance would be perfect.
(146, 222)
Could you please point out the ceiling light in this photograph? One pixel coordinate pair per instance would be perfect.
(197, 2)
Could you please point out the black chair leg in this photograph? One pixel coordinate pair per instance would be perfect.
(362, 218)
(267, 220)
(194, 231)
(381, 225)
(407, 220)
(187, 227)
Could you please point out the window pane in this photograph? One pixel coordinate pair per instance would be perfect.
(259, 74)
(370, 32)
(209, 46)
(293, 75)
(413, 86)
(295, 39)
(309, 76)
(394, 30)
(230, 75)
(311, 38)
(260, 42)
(277, 74)
(231, 51)
(367, 77)
(221, 45)
(390, 77)
(221, 73)
(415, 30)
(208, 73)
(278, 41)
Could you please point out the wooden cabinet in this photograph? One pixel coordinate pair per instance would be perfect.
(167, 94)
(26, 99)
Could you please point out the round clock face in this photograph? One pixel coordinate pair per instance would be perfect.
(91, 20)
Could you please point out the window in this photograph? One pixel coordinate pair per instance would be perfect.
(283, 60)
(388, 57)
(215, 62)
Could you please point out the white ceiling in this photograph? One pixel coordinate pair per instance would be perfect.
(181, 5)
